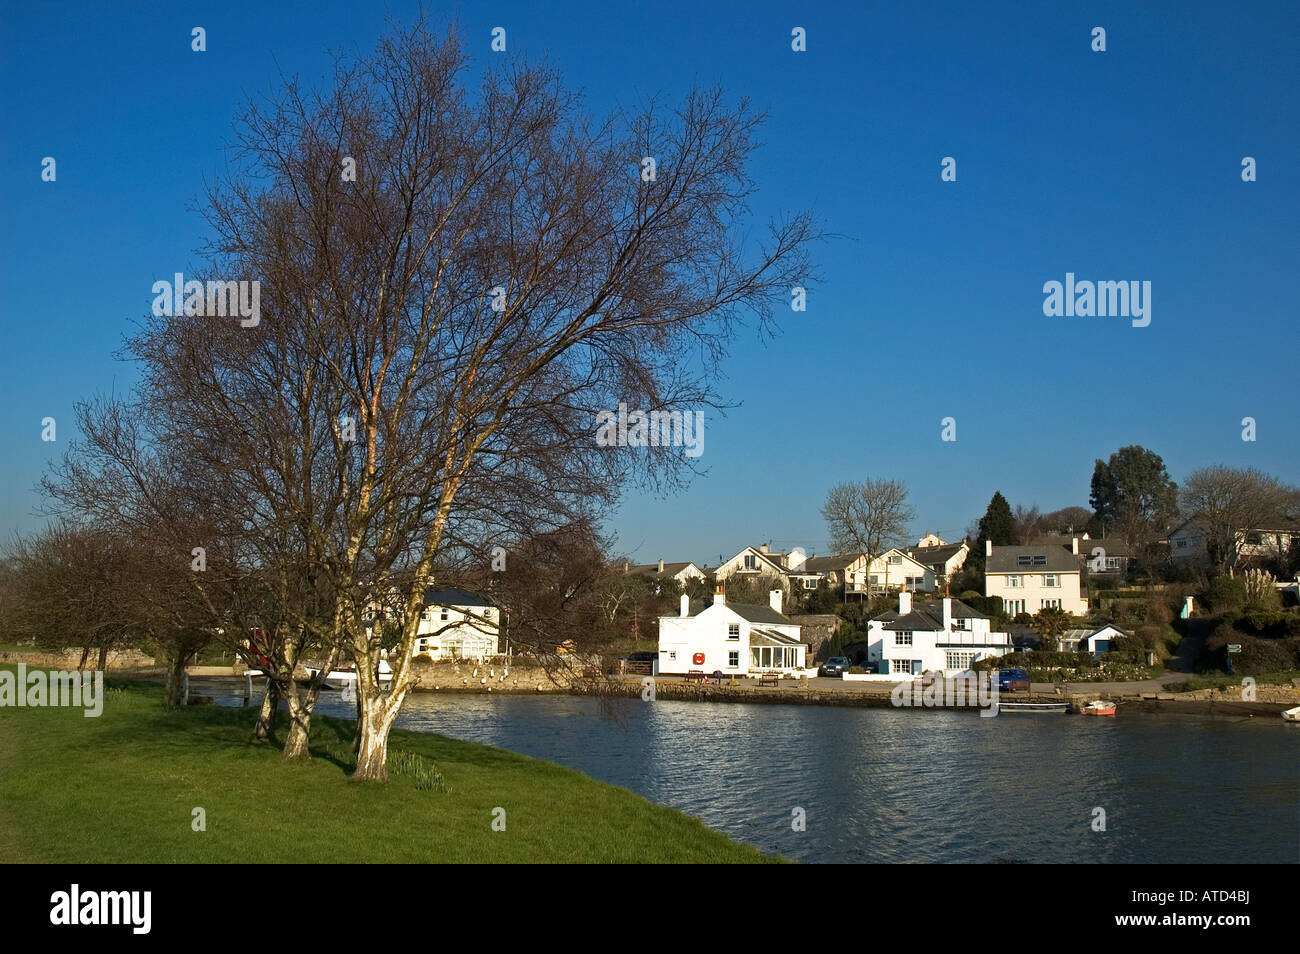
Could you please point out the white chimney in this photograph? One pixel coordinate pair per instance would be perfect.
(661, 566)
(718, 595)
(774, 599)
(1074, 545)
(988, 548)
(904, 603)
(947, 614)
(686, 606)
(763, 548)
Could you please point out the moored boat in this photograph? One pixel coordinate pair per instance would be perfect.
(346, 678)
(1292, 715)
(1098, 707)
(1050, 707)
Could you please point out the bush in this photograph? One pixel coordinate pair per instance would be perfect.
(1226, 594)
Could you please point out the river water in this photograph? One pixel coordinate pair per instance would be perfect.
(884, 785)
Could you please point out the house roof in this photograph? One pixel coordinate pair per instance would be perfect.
(670, 569)
(752, 612)
(828, 563)
(929, 617)
(451, 596)
(1057, 559)
(932, 555)
(763, 637)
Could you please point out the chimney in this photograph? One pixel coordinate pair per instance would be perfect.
(686, 606)
(626, 567)
(1074, 545)
(763, 548)
(718, 595)
(904, 603)
(988, 548)
(947, 614)
(661, 566)
(774, 599)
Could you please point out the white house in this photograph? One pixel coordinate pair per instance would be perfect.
(1190, 543)
(894, 570)
(681, 572)
(759, 561)
(1032, 578)
(943, 559)
(841, 572)
(456, 624)
(945, 635)
(734, 638)
(1094, 641)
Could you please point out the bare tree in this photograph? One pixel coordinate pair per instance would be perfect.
(1225, 502)
(438, 333)
(1028, 523)
(867, 517)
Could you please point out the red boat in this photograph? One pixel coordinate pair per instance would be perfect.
(1098, 708)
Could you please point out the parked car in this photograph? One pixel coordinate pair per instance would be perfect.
(1013, 680)
(835, 666)
(642, 657)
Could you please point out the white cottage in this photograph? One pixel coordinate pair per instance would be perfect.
(946, 636)
(733, 638)
(456, 624)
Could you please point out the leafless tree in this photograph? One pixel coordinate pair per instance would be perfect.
(1225, 502)
(437, 334)
(867, 517)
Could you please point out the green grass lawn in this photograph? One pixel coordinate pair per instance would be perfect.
(122, 787)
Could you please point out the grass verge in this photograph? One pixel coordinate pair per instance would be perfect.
(123, 788)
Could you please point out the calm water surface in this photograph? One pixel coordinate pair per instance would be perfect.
(881, 785)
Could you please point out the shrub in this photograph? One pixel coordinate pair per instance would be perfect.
(1226, 594)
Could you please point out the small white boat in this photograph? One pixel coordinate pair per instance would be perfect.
(1292, 715)
(347, 678)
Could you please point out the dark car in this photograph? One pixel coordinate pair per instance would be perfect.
(835, 666)
(1013, 680)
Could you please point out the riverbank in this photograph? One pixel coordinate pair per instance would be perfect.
(135, 776)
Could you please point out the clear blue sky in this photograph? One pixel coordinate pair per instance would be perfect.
(1116, 165)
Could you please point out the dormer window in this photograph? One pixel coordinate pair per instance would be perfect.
(751, 562)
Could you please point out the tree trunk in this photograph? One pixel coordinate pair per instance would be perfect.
(174, 688)
(264, 729)
(295, 745)
(373, 724)
(85, 654)
(103, 659)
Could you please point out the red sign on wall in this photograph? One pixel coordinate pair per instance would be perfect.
(698, 659)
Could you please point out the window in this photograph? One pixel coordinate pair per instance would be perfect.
(755, 658)
(902, 665)
(671, 654)
(1022, 561)
(1051, 604)
(809, 583)
(1254, 539)
(961, 624)
(1014, 581)
(1051, 579)
(733, 659)
(874, 579)
(1040, 561)
(1182, 544)
(1012, 607)
(733, 631)
(444, 613)
(765, 654)
(960, 660)
(751, 561)
(902, 639)
(896, 559)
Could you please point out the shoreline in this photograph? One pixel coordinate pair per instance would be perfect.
(1201, 702)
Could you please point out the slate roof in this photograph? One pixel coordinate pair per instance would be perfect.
(929, 617)
(932, 555)
(670, 569)
(1057, 560)
(752, 612)
(827, 564)
(454, 597)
